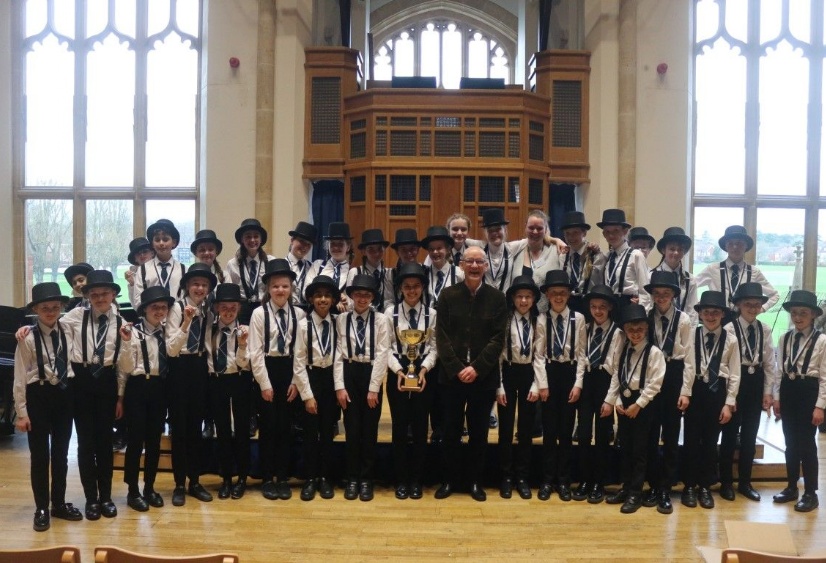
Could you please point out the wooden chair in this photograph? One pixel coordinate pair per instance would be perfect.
(111, 554)
(57, 554)
(733, 555)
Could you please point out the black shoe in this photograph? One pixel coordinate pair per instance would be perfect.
(325, 489)
(199, 492)
(155, 500)
(631, 504)
(492, 422)
(523, 489)
(464, 431)
(477, 493)
(67, 511)
(209, 431)
(727, 491)
(92, 510)
(268, 490)
(351, 491)
(619, 497)
(537, 432)
(239, 488)
(704, 498)
(651, 498)
(108, 509)
(581, 492)
(664, 504)
(416, 491)
(544, 492)
(253, 426)
(748, 491)
(224, 491)
(401, 492)
(283, 490)
(308, 490)
(436, 437)
(118, 442)
(564, 492)
(689, 497)
(179, 496)
(444, 491)
(807, 503)
(506, 488)
(41, 521)
(786, 495)
(366, 491)
(597, 494)
(137, 502)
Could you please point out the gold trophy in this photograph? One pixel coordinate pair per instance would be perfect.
(412, 337)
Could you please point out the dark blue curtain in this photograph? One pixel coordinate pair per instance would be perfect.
(562, 199)
(328, 207)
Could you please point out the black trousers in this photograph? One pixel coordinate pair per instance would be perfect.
(797, 401)
(747, 420)
(702, 429)
(50, 413)
(361, 423)
(464, 401)
(95, 400)
(558, 424)
(274, 432)
(666, 420)
(230, 398)
(517, 380)
(635, 433)
(593, 459)
(437, 408)
(188, 384)
(409, 410)
(318, 428)
(144, 404)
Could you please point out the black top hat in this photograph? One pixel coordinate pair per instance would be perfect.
(338, 230)
(613, 217)
(733, 232)
(600, 291)
(154, 294)
(556, 278)
(46, 291)
(493, 218)
(574, 219)
(199, 270)
(523, 282)
(633, 313)
(251, 225)
(100, 278)
(674, 234)
(803, 298)
(711, 298)
(640, 233)
(749, 290)
(373, 236)
(322, 282)
(163, 225)
(228, 293)
(437, 232)
(306, 231)
(661, 278)
(363, 282)
(410, 270)
(277, 267)
(136, 246)
(405, 236)
(206, 235)
(81, 268)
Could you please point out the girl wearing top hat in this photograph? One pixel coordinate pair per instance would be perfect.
(140, 252)
(440, 272)
(372, 247)
(407, 245)
(673, 247)
(163, 269)
(336, 265)
(302, 239)
(579, 260)
(247, 266)
(76, 276)
(639, 239)
(206, 248)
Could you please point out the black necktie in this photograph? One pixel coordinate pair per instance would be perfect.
(360, 336)
(325, 338)
(193, 339)
(252, 269)
(796, 347)
(59, 361)
(164, 272)
(440, 281)
(337, 273)
(100, 343)
(575, 264)
(282, 325)
(526, 337)
(628, 371)
(664, 324)
(735, 277)
(457, 257)
(221, 357)
(594, 352)
(560, 330)
(709, 342)
(163, 366)
(752, 340)
(612, 262)
(413, 320)
(377, 277)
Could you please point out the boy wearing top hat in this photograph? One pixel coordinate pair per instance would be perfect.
(315, 349)
(727, 276)
(358, 372)
(565, 367)
(713, 395)
(802, 395)
(639, 239)
(142, 398)
(140, 252)
(639, 369)
(43, 401)
(372, 247)
(336, 266)
(673, 246)
(302, 239)
(758, 372)
(273, 330)
(579, 261)
(76, 276)
(623, 268)
(670, 331)
(163, 269)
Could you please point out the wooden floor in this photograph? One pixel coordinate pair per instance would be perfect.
(511, 530)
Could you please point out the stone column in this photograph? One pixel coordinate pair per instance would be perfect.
(627, 128)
